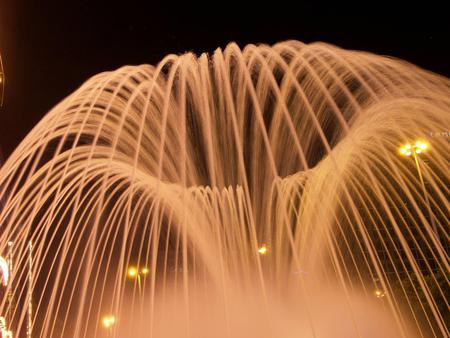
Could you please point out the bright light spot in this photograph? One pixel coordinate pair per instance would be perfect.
(379, 293)
(263, 249)
(4, 269)
(5, 333)
(418, 147)
(132, 272)
(108, 321)
(145, 271)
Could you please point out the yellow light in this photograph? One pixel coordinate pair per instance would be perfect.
(263, 249)
(132, 272)
(108, 321)
(408, 153)
(145, 271)
(4, 269)
(379, 293)
(418, 151)
(422, 145)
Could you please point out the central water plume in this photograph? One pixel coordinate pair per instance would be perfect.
(256, 192)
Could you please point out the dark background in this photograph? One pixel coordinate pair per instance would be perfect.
(50, 47)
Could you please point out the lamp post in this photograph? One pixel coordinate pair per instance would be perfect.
(136, 273)
(263, 250)
(108, 323)
(379, 293)
(415, 150)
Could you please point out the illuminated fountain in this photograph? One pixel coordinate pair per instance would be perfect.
(253, 193)
(2, 81)
(4, 277)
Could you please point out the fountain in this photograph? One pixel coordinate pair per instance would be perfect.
(250, 193)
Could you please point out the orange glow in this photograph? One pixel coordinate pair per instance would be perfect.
(379, 293)
(132, 272)
(108, 321)
(418, 147)
(263, 250)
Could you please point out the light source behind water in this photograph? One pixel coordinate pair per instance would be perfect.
(261, 190)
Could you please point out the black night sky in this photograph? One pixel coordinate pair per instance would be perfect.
(50, 47)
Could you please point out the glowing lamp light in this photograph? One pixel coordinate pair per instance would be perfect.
(132, 272)
(108, 321)
(4, 269)
(379, 293)
(263, 250)
(418, 148)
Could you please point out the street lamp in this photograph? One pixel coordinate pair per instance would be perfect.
(262, 250)
(136, 273)
(379, 293)
(415, 150)
(108, 323)
(132, 272)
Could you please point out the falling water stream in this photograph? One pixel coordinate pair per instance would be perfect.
(256, 193)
